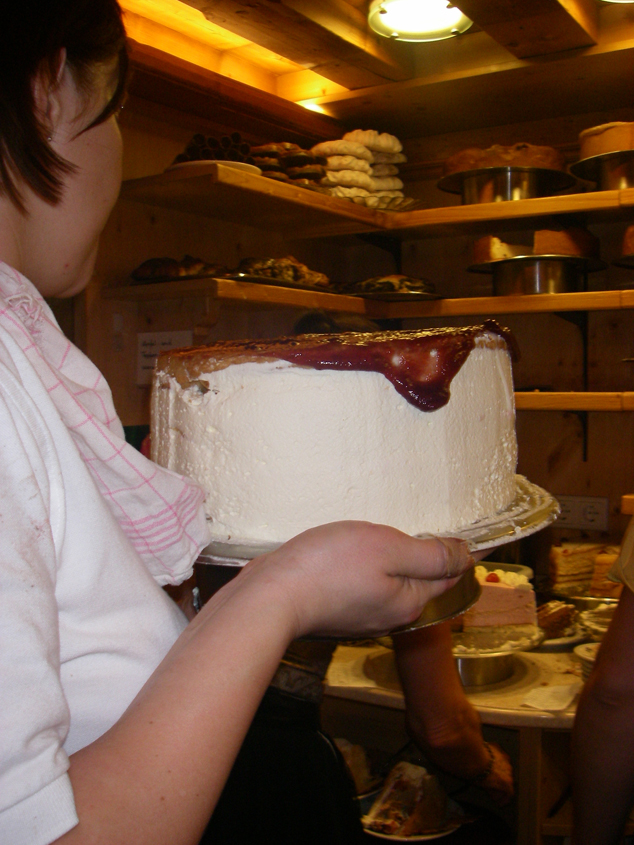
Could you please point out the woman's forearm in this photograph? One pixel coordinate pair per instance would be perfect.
(439, 716)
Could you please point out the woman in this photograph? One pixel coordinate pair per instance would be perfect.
(120, 722)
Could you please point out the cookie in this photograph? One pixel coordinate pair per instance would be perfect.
(387, 183)
(349, 179)
(375, 141)
(342, 148)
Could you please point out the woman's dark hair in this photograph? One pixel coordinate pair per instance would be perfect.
(32, 35)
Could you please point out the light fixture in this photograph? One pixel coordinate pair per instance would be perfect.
(417, 20)
(618, 1)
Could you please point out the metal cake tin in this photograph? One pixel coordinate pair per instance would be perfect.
(503, 184)
(611, 171)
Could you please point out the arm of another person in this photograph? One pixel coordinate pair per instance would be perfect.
(603, 736)
(440, 718)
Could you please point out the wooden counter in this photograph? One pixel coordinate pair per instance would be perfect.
(543, 815)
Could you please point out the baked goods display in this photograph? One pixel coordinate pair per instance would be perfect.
(226, 148)
(282, 271)
(556, 619)
(505, 172)
(287, 269)
(572, 241)
(507, 598)
(607, 156)
(499, 155)
(388, 285)
(601, 586)
(606, 138)
(169, 269)
(288, 162)
(363, 167)
(412, 803)
(290, 433)
(572, 568)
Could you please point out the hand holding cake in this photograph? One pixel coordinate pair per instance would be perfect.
(357, 577)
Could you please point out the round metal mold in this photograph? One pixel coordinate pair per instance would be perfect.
(504, 184)
(485, 670)
(611, 171)
(535, 274)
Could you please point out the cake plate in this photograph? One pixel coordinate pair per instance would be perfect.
(531, 510)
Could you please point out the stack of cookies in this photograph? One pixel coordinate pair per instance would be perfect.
(363, 166)
(288, 162)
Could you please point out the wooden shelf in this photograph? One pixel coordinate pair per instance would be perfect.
(217, 190)
(262, 294)
(477, 218)
(574, 401)
(627, 503)
(247, 293)
(222, 192)
(534, 304)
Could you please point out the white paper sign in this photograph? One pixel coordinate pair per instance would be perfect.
(149, 344)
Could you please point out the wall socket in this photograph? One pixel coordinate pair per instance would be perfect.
(583, 512)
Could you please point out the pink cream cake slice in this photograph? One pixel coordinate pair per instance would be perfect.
(507, 599)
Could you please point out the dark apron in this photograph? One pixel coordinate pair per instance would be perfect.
(289, 783)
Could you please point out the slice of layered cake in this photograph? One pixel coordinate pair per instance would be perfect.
(507, 599)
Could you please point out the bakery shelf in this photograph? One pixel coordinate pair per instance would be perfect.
(219, 191)
(262, 294)
(574, 401)
(227, 290)
(519, 304)
(477, 218)
(222, 192)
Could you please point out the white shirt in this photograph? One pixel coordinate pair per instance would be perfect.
(83, 623)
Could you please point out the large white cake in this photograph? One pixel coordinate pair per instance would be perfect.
(414, 429)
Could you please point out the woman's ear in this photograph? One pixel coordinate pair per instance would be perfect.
(47, 93)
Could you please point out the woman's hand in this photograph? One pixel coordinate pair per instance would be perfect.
(358, 578)
(498, 784)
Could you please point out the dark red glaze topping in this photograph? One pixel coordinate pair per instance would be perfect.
(420, 364)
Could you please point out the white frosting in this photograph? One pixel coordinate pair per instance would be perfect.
(511, 579)
(281, 448)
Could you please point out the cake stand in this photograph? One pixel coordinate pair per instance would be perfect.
(501, 184)
(531, 510)
(611, 171)
(534, 274)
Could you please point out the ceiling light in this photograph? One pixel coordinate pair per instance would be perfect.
(417, 20)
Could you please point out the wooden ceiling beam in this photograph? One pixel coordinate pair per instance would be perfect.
(528, 28)
(331, 37)
(172, 83)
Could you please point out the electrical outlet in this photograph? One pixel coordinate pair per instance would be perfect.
(588, 513)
